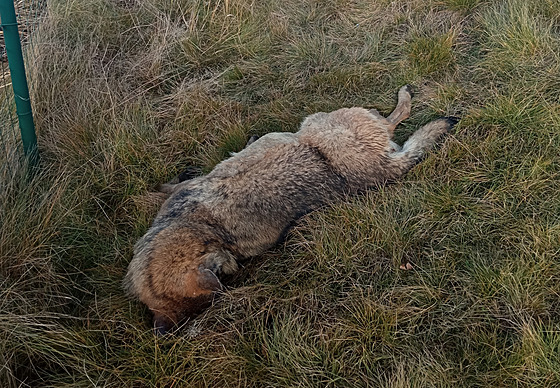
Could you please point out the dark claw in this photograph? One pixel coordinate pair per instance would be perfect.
(410, 90)
(452, 120)
(189, 173)
(251, 140)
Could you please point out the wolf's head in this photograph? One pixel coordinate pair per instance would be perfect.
(175, 272)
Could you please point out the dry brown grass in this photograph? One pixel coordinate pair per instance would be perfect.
(127, 93)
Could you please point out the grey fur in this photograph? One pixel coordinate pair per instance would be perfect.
(249, 201)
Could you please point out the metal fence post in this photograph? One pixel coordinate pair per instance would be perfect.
(19, 81)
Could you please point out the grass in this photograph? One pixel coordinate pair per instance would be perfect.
(127, 93)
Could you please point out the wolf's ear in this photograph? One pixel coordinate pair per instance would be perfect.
(208, 280)
(219, 262)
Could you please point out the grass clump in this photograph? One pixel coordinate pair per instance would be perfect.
(128, 93)
(430, 54)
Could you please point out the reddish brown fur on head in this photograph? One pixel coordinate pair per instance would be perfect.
(177, 276)
(186, 299)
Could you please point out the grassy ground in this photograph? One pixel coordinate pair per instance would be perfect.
(127, 93)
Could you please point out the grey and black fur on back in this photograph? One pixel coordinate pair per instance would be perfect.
(249, 201)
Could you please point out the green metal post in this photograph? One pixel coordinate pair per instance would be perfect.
(19, 81)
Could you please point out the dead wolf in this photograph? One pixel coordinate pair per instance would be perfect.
(249, 201)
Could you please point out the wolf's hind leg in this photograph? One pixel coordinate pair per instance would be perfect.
(412, 151)
(402, 110)
(424, 138)
(394, 146)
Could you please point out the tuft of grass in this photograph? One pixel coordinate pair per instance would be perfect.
(464, 5)
(126, 94)
(429, 54)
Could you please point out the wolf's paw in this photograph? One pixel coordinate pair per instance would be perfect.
(408, 89)
(451, 121)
